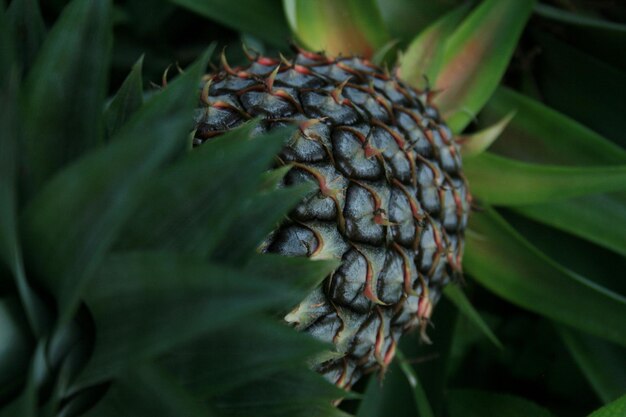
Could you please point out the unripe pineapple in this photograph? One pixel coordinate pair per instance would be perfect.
(391, 200)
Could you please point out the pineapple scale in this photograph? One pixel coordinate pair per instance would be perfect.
(391, 200)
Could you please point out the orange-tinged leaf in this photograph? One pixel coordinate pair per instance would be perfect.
(477, 55)
(424, 56)
(347, 27)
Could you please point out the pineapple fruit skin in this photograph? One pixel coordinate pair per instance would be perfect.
(391, 201)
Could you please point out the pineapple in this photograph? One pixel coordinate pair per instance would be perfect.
(390, 198)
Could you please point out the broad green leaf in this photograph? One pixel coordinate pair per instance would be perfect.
(419, 395)
(476, 143)
(64, 92)
(597, 218)
(457, 296)
(259, 216)
(218, 362)
(406, 18)
(616, 409)
(506, 264)
(349, 27)
(297, 393)
(424, 56)
(502, 181)
(540, 134)
(477, 55)
(86, 204)
(260, 18)
(126, 101)
(474, 403)
(29, 29)
(603, 363)
(190, 198)
(188, 296)
(147, 391)
(597, 103)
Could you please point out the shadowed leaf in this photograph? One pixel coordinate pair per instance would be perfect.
(29, 29)
(126, 101)
(474, 403)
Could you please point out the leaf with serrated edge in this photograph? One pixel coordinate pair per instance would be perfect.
(501, 260)
(502, 181)
(86, 204)
(477, 55)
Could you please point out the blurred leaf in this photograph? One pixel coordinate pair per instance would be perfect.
(474, 403)
(616, 409)
(406, 18)
(64, 91)
(348, 27)
(15, 344)
(263, 19)
(218, 362)
(476, 143)
(85, 205)
(126, 101)
(502, 181)
(598, 102)
(577, 19)
(598, 218)
(477, 55)
(25, 403)
(301, 393)
(424, 56)
(419, 395)
(386, 54)
(188, 199)
(603, 363)
(258, 217)
(29, 29)
(540, 134)
(148, 392)
(457, 296)
(189, 296)
(506, 264)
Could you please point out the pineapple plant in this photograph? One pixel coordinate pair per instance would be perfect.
(155, 242)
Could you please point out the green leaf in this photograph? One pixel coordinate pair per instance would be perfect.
(86, 204)
(189, 296)
(147, 391)
(218, 362)
(262, 19)
(406, 18)
(475, 403)
(65, 89)
(577, 19)
(597, 218)
(298, 393)
(422, 60)
(616, 409)
(419, 395)
(476, 143)
(126, 102)
(29, 30)
(15, 344)
(603, 363)
(457, 296)
(259, 216)
(540, 134)
(559, 70)
(502, 181)
(349, 27)
(476, 57)
(506, 264)
(189, 198)
(25, 404)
